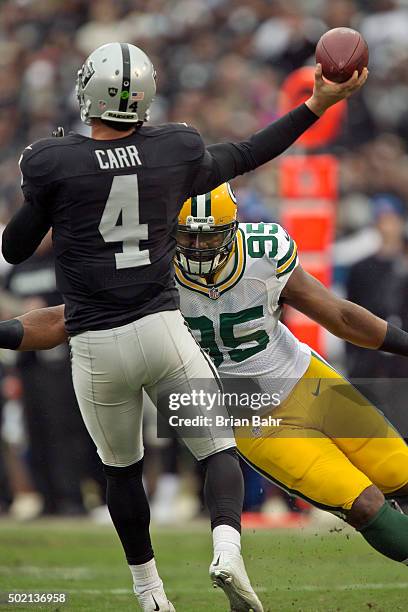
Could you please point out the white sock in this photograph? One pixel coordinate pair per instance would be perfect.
(226, 539)
(145, 576)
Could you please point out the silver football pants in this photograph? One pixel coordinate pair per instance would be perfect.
(110, 369)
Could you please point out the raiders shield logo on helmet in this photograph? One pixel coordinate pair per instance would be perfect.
(113, 91)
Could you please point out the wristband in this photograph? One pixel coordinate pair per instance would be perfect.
(395, 341)
(11, 334)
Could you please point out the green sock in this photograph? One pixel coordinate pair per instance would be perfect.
(387, 532)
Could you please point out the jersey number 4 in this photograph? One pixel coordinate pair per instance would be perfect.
(120, 222)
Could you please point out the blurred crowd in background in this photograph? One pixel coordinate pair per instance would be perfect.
(220, 65)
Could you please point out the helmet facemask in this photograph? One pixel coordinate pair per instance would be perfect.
(84, 105)
(203, 250)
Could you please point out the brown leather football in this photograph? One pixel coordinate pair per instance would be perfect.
(341, 51)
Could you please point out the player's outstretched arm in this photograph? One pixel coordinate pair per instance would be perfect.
(222, 162)
(341, 317)
(36, 330)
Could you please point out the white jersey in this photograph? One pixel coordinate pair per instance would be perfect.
(237, 320)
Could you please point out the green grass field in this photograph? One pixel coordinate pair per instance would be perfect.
(293, 571)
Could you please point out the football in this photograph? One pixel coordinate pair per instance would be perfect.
(341, 51)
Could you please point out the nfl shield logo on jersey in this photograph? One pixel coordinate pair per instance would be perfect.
(214, 293)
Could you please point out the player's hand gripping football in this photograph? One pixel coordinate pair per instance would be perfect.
(326, 93)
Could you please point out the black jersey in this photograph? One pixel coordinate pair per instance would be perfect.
(113, 207)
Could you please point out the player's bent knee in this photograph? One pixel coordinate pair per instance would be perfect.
(202, 448)
(337, 494)
(129, 471)
(391, 473)
(365, 507)
(232, 451)
(337, 487)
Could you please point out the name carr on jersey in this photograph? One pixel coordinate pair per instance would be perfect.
(119, 157)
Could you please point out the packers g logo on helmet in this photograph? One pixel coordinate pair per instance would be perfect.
(206, 231)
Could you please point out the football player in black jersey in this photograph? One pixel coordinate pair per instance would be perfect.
(112, 201)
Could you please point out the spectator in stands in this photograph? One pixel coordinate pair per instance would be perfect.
(376, 283)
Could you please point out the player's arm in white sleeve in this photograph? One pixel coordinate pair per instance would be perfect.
(281, 253)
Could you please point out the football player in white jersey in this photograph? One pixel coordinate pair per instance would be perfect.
(332, 447)
(324, 442)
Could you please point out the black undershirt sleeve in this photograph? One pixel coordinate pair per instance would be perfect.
(11, 334)
(395, 341)
(224, 161)
(24, 233)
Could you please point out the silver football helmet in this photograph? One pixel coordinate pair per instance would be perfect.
(118, 83)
